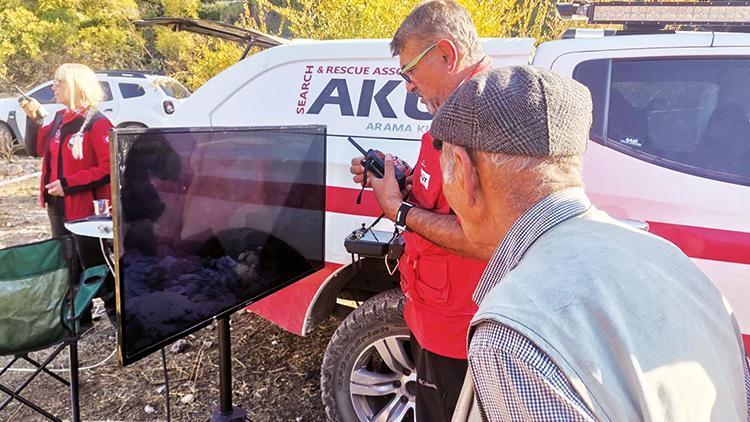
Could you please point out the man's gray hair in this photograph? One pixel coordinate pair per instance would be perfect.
(436, 19)
(543, 173)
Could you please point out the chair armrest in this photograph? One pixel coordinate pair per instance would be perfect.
(91, 281)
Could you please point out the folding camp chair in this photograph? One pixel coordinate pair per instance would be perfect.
(41, 306)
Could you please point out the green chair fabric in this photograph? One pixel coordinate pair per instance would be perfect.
(91, 282)
(33, 284)
(33, 291)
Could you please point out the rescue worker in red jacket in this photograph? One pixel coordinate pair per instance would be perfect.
(438, 48)
(75, 156)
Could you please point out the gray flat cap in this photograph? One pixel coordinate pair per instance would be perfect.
(518, 110)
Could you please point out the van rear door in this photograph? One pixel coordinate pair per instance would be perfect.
(245, 36)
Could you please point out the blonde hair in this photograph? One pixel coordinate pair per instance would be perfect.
(84, 90)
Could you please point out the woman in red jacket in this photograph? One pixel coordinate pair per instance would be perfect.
(74, 147)
(75, 151)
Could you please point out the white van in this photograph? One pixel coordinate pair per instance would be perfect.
(670, 147)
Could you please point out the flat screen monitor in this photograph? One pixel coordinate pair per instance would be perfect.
(209, 220)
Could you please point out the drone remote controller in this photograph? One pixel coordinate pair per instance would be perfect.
(374, 162)
(40, 112)
(367, 242)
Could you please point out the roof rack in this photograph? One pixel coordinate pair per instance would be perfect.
(130, 73)
(578, 33)
(732, 16)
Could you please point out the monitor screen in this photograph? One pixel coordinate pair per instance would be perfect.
(208, 220)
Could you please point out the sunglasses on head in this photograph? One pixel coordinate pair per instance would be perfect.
(405, 69)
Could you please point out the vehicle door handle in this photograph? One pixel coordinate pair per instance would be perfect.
(107, 109)
(636, 224)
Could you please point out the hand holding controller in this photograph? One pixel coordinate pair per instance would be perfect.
(374, 162)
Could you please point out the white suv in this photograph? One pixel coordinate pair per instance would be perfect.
(132, 99)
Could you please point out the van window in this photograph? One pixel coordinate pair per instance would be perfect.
(107, 91)
(688, 114)
(172, 88)
(131, 90)
(44, 95)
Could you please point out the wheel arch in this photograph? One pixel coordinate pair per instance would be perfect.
(367, 277)
(131, 124)
(11, 123)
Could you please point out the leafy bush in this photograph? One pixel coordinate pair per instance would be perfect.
(36, 36)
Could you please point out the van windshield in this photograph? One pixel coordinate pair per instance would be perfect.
(172, 88)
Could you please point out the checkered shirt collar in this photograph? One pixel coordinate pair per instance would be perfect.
(545, 214)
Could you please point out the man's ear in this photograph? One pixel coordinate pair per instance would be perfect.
(465, 174)
(449, 53)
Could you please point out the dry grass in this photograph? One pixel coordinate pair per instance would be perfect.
(22, 219)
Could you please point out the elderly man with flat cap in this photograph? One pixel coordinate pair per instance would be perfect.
(580, 317)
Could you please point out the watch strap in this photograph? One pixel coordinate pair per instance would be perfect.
(401, 215)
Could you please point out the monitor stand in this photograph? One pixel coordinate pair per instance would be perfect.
(225, 412)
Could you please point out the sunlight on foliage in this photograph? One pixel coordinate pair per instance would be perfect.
(36, 36)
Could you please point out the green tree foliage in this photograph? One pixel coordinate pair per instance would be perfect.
(332, 19)
(38, 35)
(192, 58)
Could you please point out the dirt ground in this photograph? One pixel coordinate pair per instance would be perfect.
(276, 374)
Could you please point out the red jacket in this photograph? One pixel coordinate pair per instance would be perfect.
(83, 180)
(438, 284)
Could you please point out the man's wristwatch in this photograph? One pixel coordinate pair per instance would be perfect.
(401, 215)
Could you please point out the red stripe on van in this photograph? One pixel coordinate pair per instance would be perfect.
(696, 242)
(746, 340)
(704, 243)
(344, 201)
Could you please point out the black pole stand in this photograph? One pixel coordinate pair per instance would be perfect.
(225, 412)
(75, 407)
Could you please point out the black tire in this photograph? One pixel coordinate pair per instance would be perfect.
(368, 369)
(8, 141)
